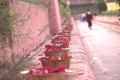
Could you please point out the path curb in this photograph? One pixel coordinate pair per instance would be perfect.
(80, 63)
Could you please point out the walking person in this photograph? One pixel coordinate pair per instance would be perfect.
(83, 15)
(89, 18)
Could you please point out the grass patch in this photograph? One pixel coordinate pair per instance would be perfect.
(109, 13)
(35, 2)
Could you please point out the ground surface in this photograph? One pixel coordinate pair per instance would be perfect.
(103, 47)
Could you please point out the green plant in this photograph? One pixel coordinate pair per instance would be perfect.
(40, 3)
(5, 28)
(12, 64)
(101, 5)
(109, 13)
(36, 2)
(3, 2)
(118, 1)
(6, 40)
(64, 9)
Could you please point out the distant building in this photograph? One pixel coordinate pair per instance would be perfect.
(77, 2)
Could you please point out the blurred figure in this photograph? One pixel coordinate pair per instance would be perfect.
(118, 14)
(89, 18)
(83, 15)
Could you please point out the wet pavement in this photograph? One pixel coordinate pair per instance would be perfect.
(103, 49)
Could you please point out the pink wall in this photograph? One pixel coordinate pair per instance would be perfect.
(54, 16)
(58, 14)
(27, 32)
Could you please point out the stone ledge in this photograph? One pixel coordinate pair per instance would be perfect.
(80, 64)
(110, 22)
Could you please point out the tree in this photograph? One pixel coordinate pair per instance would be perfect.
(118, 1)
(64, 9)
(101, 5)
(12, 64)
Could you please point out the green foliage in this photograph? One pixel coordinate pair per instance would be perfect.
(101, 5)
(64, 9)
(118, 1)
(31, 1)
(5, 27)
(35, 2)
(109, 13)
(77, 9)
(3, 2)
(12, 64)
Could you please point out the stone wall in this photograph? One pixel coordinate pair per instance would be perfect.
(30, 28)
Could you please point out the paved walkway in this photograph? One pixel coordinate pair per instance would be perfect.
(109, 22)
(80, 63)
(103, 47)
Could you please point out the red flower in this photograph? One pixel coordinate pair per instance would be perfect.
(58, 69)
(46, 70)
(48, 46)
(35, 72)
(55, 58)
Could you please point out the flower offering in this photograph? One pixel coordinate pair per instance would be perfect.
(56, 61)
(46, 70)
(55, 58)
